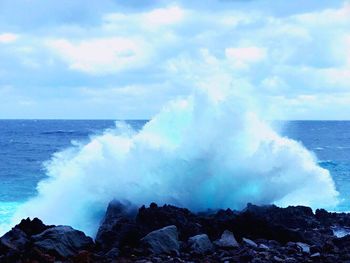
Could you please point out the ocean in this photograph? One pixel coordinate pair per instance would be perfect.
(26, 145)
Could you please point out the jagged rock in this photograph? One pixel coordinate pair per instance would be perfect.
(155, 217)
(32, 227)
(118, 227)
(249, 242)
(63, 241)
(15, 239)
(200, 244)
(304, 247)
(162, 241)
(227, 240)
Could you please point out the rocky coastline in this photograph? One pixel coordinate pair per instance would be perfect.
(171, 234)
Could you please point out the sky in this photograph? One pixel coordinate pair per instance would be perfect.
(117, 59)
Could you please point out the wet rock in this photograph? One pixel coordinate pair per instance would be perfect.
(118, 227)
(263, 247)
(155, 217)
(162, 241)
(32, 227)
(227, 240)
(305, 248)
(249, 242)
(200, 244)
(62, 241)
(15, 239)
(112, 254)
(315, 255)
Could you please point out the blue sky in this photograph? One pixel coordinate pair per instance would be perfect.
(114, 59)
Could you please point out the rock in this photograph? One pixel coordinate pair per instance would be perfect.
(315, 255)
(200, 244)
(62, 241)
(277, 259)
(15, 239)
(249, 242)
(162, 241)
(32, 227)
(227, 240)
(156, 217)
(112, 254)
(118, 227)
(304, 247)
(270, 222)
(263, 247)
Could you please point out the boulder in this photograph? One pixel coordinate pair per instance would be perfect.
(162, 241)
(200, 244)
(118, 227)
(227, 240)
(62, 241)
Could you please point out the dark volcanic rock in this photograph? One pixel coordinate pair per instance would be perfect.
(62, 241)
(162, 241)
(172, 234)
(155, 217)
(15, 239)
(118, 227)
(32, 227)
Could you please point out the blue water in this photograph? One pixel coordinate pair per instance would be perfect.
(25, 145)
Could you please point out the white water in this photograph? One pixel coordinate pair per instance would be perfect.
(207, 151)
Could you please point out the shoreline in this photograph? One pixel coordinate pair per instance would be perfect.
(171, 234)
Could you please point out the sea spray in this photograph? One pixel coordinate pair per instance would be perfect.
(209, 150)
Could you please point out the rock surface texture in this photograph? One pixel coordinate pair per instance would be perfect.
(171, 234)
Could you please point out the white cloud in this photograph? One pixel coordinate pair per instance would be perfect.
(281, 56)
(6, 38)
(164, 16)
(328, 17)
(241, 57)
(103, 55)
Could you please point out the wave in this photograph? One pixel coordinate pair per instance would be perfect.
(208, 151)
(61, 132)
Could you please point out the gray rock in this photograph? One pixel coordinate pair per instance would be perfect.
(227, 240)
(200, 244)
(64, 241)
(315, 255)
(263, 247)
(249, 242)
(162, 241)
(304, 247)
(15, 239)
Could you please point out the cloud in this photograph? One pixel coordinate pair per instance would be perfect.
(135, 53)
(241, 57)
(164, 16)
(102, 56)
(6, 38)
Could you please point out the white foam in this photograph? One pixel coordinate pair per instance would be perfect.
(202, 152)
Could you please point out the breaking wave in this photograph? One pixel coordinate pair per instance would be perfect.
(201, 152)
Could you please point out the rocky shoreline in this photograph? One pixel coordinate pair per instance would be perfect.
(172, 234)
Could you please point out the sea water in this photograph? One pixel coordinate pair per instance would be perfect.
(27, 145)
